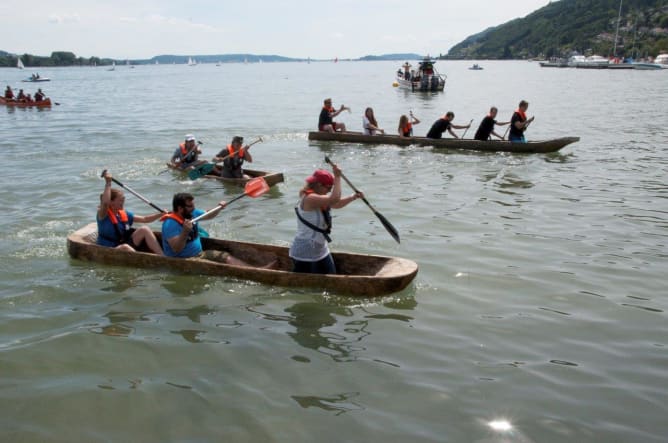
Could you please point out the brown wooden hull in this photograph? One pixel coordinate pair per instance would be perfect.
(42, 104)
(447, 143)
(272, 178)
(359, 275)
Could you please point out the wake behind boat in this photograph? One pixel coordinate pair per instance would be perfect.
(541, 146)
(359, 274)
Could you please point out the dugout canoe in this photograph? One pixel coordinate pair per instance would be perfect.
(359, 275)
(536, 146)
(46, 103)
(272, 178)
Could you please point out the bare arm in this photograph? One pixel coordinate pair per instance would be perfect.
(106, 197)
(148, 218)
(178, 242)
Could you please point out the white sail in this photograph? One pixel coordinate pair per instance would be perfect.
(191, 62)
(19, 64)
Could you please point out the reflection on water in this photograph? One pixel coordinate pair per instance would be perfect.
(312, 321)
(338, 403)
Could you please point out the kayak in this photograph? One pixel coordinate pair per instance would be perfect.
(359, 275)
(540, 146)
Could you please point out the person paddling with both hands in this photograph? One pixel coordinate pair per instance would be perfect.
(486, 128)
(233, 157)
(445, 124)
(406, 126)
(186, 155)
(369, 123)
(326, 121)
(519, 123)
(181, 236)
(114, 223)
(322, 192)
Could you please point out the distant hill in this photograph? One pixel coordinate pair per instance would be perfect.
(223, 58)
(585, 26)
(410, 56)
(61, 58)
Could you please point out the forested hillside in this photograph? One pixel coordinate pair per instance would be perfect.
(585, 26)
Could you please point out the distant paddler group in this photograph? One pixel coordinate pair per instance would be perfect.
(23, 99)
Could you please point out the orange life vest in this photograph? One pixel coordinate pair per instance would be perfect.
(407, 128)
(234, 153)
(114, 220)
(522, 115)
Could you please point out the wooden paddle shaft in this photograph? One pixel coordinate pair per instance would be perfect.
(135, 193)
(225, 157)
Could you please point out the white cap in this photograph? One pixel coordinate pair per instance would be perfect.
(190, 137)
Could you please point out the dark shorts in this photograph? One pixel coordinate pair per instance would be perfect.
(324, 266)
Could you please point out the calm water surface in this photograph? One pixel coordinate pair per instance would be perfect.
(538, 314)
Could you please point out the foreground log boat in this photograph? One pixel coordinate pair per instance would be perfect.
(360, 275)
(272, 178)
(540, 146)
(46, 103)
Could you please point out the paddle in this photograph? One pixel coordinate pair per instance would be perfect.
(388, 226)
(467, 129)
(504, 134)
(202, 232)
(206, 168)
(254, 188)
(133, 192)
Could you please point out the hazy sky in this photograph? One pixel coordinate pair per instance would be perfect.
(293, 28)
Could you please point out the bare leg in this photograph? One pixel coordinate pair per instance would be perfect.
(144, 234)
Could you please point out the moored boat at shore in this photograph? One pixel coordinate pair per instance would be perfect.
(537, 146)
(359, 274)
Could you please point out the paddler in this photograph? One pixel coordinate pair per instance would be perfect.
(186, 155)
(233, 157)
(326, 121)
(519, 123)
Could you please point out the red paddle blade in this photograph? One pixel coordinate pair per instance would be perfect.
(256, 187)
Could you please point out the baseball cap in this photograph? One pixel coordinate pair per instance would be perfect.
(321, 176)
(190, 137)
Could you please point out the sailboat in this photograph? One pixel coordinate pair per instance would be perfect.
(191, 62)
(19, 64)
(113, 66)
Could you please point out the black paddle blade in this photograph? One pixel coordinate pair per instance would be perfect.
(388, 226)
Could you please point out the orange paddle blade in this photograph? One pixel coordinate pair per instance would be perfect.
(256, 187)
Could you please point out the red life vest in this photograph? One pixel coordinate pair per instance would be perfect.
(184, 150)
(407, 129)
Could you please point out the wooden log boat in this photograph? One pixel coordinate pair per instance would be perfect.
(272, 178)
(536, 146)
(359, 274)
(46, 103)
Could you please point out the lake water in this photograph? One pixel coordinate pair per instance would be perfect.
(538, 313)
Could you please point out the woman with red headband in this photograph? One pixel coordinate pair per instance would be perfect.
(321, 193)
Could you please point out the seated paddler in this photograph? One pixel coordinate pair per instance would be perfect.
(186, 156)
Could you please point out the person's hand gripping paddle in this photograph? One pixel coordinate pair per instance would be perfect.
(388, 226)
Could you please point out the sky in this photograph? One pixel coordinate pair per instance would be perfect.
(142, 29)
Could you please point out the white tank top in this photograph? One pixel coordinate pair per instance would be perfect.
(309, 245)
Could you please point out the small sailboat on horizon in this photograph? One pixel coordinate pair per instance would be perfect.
(19, 64)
